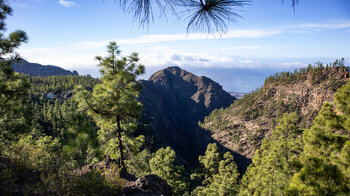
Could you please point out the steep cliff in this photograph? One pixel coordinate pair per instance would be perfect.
(242, 126)
(174, 101)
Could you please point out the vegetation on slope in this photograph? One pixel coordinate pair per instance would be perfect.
(313, 161)
(59, 139)
(47, 150)
(274, 163)
(242, 126)
(58, 84)
(48, 147)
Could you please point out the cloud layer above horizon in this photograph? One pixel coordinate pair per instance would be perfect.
(159, 50)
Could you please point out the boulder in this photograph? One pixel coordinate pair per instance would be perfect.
(147, 185)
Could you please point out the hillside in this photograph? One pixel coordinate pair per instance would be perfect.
(242, 126)
(36, 69)
(174, 101)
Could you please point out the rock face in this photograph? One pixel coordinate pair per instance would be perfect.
(174, 101)
(242, 126)
(36, 69)
(147, 185)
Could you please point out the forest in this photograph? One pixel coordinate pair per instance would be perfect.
(74, 135)
(46, 141)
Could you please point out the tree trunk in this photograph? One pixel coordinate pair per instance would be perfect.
(119, 136)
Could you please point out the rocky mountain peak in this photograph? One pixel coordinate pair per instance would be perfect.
(173, 75)
(201, 89)
(174, 101)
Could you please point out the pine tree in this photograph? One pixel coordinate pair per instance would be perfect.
(273, 165)
(325, 160)
(218, 173)
(13, 89)
(80, 141)
(342, 101)
(113, 103)
(163, 164)
(318, 177)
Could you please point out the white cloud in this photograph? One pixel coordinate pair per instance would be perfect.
(233, 33)
(210, 61)
(330, 25)
(89, 45)
(309, 27)
(154, 53)
(67, 57)
(243, 48)
(66, 3)
(159, 38)
(304, 28)
(77, 57)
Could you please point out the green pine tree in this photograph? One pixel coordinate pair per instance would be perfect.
(163, 164)
(218, 173)
(13, 89)
(113, 103)
(80, 142)
(273, 165)
(325, 160)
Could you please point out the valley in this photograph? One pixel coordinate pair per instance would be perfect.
(167, 107)
(187, 113)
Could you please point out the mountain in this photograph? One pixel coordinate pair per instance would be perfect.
(242, 126)
(174, 101)
(36, 69)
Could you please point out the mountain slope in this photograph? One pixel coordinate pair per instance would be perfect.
(242, 126)
(36, 69)
(174, 101)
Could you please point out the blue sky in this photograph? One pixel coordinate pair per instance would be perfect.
(269, 38)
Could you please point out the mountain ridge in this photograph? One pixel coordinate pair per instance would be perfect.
(36, 69)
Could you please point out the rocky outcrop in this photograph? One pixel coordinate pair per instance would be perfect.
(174, 101)
(132, 186)
(36, 69)
(150, 185)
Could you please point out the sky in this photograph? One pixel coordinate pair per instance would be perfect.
(269, 38)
